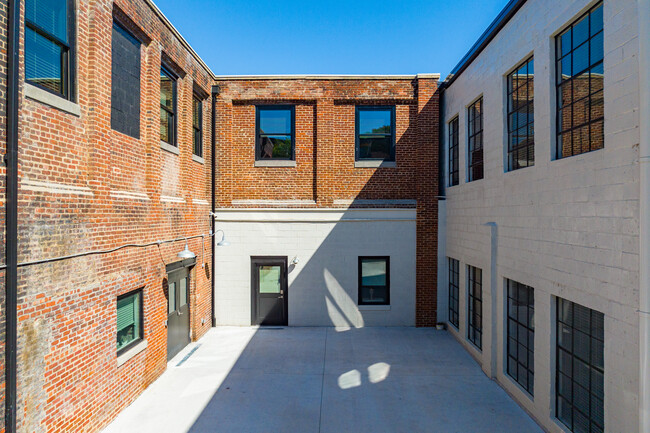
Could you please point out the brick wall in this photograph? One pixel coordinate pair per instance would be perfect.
(325, 175)
(83, 187)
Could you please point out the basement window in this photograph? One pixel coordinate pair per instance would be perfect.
(167, 106)
(129, 320)
(374, 280)
(275, 132)
(375, 133)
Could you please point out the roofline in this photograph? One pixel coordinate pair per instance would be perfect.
(324, 77)
(493, 29)
(178, 35)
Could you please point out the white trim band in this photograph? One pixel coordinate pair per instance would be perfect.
(129, 195)
(55, 188)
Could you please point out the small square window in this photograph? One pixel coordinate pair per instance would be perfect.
(374, 281)
(275, 132)
(129, 320)
(375, 133)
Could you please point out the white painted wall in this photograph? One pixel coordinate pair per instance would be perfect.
(323, 287)
(568, 228)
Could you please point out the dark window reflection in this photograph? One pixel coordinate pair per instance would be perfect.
(375, 133)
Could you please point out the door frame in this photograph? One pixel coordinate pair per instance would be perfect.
(184, 266)
(283, 260)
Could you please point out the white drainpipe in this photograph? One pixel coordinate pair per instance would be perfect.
(644, 215)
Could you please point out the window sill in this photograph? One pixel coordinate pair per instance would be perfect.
(169, 148)
(47, 98)
(275, 163)
(124, 357)
(374, 164)
(198, 159)
(374, 307)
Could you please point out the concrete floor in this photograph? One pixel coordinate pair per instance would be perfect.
(323, 380)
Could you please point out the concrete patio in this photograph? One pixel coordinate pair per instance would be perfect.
(323, 380)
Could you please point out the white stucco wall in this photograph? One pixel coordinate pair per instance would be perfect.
(323, 286)
(569, 228)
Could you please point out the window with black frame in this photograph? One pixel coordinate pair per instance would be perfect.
(453, 152)
(521, 334)
(475, 306)
(125, 82)
(167, 106)
(375, 133)
(521, 134)
(453, 291)
(275, 132)
(374, 280)
(579, 387)
(49, 45)
(579, 83)
(475, 140)
(197, 125)
(129, 320)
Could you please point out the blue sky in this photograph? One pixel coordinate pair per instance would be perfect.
(238, 37)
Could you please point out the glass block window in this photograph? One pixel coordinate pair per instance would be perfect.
(521, 134)
(475, 134)
(167, 106)
(275, 132)
(475, 306)
(579, 84)
(49, 39)
(197, 125)
(375, 133)
(579, 375)
(374, 281)
(453, 291)
(129, 320)
(521, 334)
(453, 152)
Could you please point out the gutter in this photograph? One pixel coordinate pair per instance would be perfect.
(11, 160)
(643, 11)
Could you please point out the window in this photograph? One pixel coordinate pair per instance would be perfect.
(453, 152)
(579, 83)
(521, 334)
(275, 132)
(521, 137)
(475, 307)
(453, 291)
(197, 125)
(49, 45)
(125, 82)
(167, 106)
(475, 133)
(375, 133)
(129, 320)
(579, 387)
(374, 281)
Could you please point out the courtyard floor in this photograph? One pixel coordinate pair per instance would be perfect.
(323, 380)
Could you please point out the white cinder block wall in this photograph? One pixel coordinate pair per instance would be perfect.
(569, 227)
(323, 286)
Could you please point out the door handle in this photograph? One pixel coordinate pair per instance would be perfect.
(280, 297)
(179, 313)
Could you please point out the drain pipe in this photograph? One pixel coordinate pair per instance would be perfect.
(11, 160)
(215, 93)
(644, 214)
(494, 243)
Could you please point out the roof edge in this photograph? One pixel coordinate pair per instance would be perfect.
(493, 29)
(324, 77)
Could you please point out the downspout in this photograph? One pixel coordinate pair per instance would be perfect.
(213, 231)
(11, 160)
(494, 245)
(644, 214)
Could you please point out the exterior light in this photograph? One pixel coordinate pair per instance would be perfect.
(223, 242)
(186, 253)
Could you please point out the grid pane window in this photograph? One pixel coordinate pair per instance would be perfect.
(521, 334)
(129, 320)
(167, 107)
(375, 133)
(374, 281)
(453, 152)
(197, 125)
(580, 369)
(275, 132)
(521, 137)
(475, 306)
(475, 133)
(48, 45)
(579, 83)
(453, 291)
